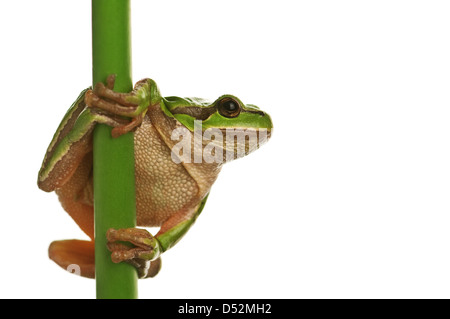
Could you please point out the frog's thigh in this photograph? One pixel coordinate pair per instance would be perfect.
(74, 255)
(76, 196)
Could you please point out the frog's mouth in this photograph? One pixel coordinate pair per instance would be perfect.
(238, 142)
(219, 145)
(269, 133)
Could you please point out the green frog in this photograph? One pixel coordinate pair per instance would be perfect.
(172, 180)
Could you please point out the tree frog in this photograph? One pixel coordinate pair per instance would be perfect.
(171, 186)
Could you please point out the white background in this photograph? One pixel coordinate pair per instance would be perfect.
(349, 199)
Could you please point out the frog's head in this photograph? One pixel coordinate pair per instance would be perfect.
(227, 123)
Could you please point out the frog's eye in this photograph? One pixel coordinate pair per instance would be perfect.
(229, 107)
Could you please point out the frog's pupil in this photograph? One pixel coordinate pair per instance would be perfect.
(230, 106)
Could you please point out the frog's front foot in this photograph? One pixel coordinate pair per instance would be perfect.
(131, 105)
(144, 254)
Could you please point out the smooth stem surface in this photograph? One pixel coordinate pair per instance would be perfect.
(114, 188)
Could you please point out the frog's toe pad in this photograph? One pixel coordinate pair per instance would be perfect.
(76, 256)
(137, 257)
(145, 268)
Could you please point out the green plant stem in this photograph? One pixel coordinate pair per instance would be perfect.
(114, 186)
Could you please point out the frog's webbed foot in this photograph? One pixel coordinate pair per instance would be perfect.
(78, 255)
(130, 105)
(144, 254)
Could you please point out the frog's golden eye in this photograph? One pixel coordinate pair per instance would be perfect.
(229, 107)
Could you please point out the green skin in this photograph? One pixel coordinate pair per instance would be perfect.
(81, 120)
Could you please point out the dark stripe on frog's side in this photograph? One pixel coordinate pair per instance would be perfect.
(203, 113)
(253, 111)
(66, 125)
(199, 113)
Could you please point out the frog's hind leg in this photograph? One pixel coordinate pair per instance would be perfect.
(76, 197)
(74, 255)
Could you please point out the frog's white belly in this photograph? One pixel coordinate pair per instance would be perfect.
(162, 187)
